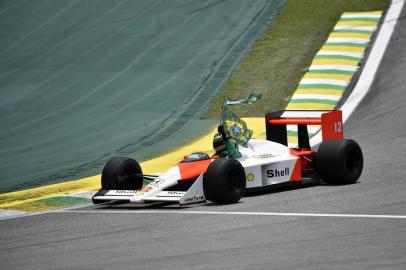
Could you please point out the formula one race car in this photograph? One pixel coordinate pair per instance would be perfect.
(223, 178)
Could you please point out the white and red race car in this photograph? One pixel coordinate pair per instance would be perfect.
(263, 163)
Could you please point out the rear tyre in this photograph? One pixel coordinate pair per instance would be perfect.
(121, 173)
(339, 162)
(224, 181)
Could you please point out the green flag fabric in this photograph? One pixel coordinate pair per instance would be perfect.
(235, 127)
(249, 100)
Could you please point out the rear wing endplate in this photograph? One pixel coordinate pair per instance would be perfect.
(330, 121)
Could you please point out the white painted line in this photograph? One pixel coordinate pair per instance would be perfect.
(355, 27)
(340, 53)
(368, 73)
(8, 214)
(315, 96)
(361, 15)
(28, 214)
(371, 66)
(338, 67)
(348, 40)
(81, 194)
(324, 81)
(187, 212)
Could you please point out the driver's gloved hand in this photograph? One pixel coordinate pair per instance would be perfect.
(220, 129)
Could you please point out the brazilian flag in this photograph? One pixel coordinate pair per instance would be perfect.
(251, 99)
(235, 127)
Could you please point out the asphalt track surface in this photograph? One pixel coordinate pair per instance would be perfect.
(124, 238)
(81, 81)
(132, 240)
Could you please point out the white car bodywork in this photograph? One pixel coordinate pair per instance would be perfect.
(265, 163)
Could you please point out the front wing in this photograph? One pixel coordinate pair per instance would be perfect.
(195, 194)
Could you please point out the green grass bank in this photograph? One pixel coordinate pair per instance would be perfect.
(277, 61)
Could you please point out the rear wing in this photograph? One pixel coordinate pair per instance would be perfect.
(330, 121)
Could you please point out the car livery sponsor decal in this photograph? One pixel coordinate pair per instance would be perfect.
(195, 198)
(157, 182)
(250, 177)
(176, 193)
(147, 189)
(171, 194)
(154, 185)
(264, 156)
(121, 192)
(277, 173)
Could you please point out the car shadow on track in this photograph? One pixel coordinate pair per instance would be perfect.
(249, 193)
(284, 187)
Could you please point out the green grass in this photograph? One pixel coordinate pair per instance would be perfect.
(277, 61)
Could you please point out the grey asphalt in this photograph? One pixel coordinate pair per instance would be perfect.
(175, 241)
(81, 81)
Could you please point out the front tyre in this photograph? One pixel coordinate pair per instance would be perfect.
(121, 173)
(339, 162)
(224, 181)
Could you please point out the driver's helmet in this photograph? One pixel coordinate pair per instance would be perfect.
(195, 156)
(218, 143)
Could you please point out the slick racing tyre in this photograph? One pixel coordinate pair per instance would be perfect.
(224, 181)
(122, 173)
(339, 162)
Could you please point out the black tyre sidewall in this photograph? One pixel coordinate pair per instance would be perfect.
(351, 172)
(115, 170)
(224, 182)
(339, 161)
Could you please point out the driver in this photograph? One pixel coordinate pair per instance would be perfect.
(224, 146)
